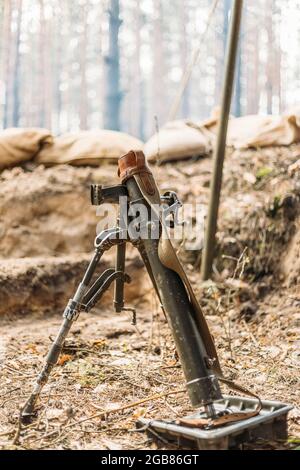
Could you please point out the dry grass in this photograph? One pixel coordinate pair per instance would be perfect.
(252, 310)
(108, 365)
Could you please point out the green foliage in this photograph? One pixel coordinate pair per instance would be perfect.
(263, 172)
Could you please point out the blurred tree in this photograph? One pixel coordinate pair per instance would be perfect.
(58, 37)
(184, 49)
(6, 59)
(220, 53)
(226, 13)
(277, 9)
(64, 64)
(83, 110)
(45, 70)
(252, 65)
(16, 67)
(134, 105)
(270, 55)
(237, 105)
(139, 88)
(113, 96)
(158, 102)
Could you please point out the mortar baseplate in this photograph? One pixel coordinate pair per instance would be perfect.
(270, 424)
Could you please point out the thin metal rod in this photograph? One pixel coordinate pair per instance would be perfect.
(219, 153)
(119, 284)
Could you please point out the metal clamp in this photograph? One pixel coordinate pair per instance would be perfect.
(110, 194)
(110, 237)
(206, 387)
(73, 310)
(171, 199)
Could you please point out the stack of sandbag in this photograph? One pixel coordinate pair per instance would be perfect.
(256, 131)
(177, 140)
(18, 145)
(264, 131)
(88, 148)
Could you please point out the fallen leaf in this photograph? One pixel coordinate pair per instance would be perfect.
(139, 412)
(100, 343)
(64, 358)
(31, 347)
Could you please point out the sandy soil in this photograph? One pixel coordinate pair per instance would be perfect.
(108, 364)
(252, 305)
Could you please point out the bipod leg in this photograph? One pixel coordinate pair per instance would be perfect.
(119, 284)
(103, 242)
(70, 315)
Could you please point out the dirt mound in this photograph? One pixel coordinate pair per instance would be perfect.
(259, 210)
(48, 212)
(46, 215)
(45, 285)
(40, 284)
(47, 228)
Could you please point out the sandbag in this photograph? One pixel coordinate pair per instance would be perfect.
(177, 140)
(255, 130)
(19, 145)
(88, 148)
(264, 131)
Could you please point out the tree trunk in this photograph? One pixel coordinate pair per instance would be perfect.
(58, 67)
(45, 73)
(136, 88)
(238, 85)
(226, 11)
(278, 65)
(221, 49)
(16, 72)
(277, 6)
(41, 90)
(158, 107)
(184, 48)
(252, 43)
(48, 75)
(270, 59)
(113, 96)
(237, 103)
(83, 113)
(6, 51)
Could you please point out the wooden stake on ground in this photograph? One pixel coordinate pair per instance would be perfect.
(219, 154)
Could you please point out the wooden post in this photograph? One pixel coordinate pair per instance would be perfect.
(219, 154)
